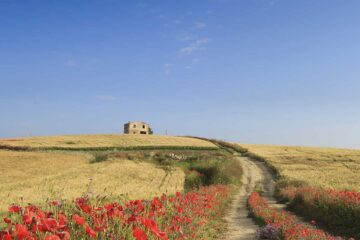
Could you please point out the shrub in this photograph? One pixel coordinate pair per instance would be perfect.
(212, 171)
(284, 183)
(99, 157)
(193, 180)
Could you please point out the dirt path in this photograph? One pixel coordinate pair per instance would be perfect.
(240, 226)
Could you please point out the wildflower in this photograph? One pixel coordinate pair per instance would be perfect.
(6, 236)
(268, 232)
(55, 203)
(90, 232)
(179, 216)
(79, 220)
(286, 223)
(65, 235)
(48, 225)
(22, 232)
(62, 219)
(7, 220)
(139, 234)
(52, 237)
(81, 203)
(14, 209)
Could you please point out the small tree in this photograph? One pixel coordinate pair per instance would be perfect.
(151, 131)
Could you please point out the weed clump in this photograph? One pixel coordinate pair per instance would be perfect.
(99, 157)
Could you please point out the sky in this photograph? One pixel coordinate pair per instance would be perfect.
(252, 71)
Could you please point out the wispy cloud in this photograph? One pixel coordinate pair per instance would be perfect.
(195, 46)
(193, 62)
(200, 25)
(105, 98)
(168, 68)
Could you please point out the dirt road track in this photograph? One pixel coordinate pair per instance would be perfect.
(240, 226)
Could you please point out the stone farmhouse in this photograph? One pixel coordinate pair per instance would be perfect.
(137, 128)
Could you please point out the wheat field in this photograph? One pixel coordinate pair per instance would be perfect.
(325, 167)
(105, 140)
(33, 177)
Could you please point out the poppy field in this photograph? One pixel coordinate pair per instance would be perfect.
(180, 216)
(337, 210)
(281, 224)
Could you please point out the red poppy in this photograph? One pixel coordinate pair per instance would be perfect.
(14, 209)
(7, 220)
(28, 218)
(22, 232)
(139, 234)
(90, 232)
(64, 235)
(79, 220)
(62, 219)
(48, 224)
(7, 236)
(52, 237)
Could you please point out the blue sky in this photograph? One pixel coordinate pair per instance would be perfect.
(253, 71)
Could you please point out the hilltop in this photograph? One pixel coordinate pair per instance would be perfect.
(104, 142)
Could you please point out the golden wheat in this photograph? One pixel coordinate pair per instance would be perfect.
(37, 176)
(109, 140)
(325, 167)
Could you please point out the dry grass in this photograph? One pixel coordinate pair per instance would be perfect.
(36, 176)
(326, 167)
(108, 141)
